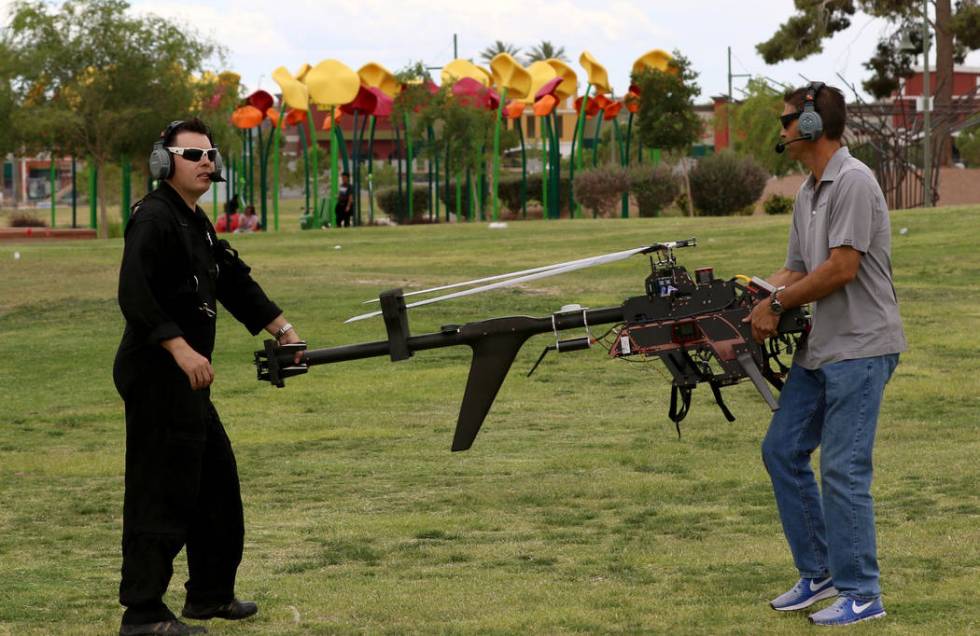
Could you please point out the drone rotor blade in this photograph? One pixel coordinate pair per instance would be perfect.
(554, 271)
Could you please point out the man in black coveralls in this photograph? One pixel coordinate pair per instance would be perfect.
(181, 477)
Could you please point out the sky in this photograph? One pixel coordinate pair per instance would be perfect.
(260, 35)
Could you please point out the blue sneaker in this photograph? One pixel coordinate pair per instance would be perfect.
(847, 611)
(805, 593)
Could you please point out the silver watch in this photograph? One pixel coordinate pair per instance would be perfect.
(774, 305)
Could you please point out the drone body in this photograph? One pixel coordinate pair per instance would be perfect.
(694, 326)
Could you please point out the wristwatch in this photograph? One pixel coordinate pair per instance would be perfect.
(774, 305)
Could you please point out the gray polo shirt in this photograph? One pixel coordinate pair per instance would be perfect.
(846, 207)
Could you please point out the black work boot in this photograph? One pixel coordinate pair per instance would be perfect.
(233, 611)
(172, 627)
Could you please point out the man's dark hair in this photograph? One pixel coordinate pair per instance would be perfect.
(190, 125)
(829, 103)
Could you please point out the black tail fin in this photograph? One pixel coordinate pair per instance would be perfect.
(492, 357)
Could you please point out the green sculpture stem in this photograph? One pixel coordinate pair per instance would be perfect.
(371, 171)
(629, 137)
(52, 177)
(545, 166)
(595, 139)
(496, 155)
(409, 181)
(625, 213)
(576, 157)
(93, 193)
(520, 133)
(556, 168)
(275, 166)
(312, 144)
(334, 160)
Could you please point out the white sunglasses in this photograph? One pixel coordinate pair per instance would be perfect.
(194, 154)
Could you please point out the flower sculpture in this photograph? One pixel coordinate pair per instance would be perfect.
(295, 96)
(248, 117)
(512, 79)
(385, 87)
(598, 79)
(331, 83)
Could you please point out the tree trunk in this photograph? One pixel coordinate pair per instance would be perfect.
(103, 213)
(944, 82)
(687, 187)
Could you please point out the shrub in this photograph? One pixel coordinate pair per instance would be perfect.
(725, 183)
(778, 204)
(26, 219)
(509, 192)
(653, 187)
(397, 209)
(600, 189)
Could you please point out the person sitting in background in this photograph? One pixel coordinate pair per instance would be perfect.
(229, 221)
(249, 222)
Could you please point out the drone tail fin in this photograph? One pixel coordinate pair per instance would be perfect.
(492, 358)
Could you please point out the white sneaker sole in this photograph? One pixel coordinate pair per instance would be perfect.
(860, 620)
(819, 596)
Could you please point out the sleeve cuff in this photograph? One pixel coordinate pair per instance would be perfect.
(164, 331)
(262, 317)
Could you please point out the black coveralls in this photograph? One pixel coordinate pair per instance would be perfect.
(181, 477)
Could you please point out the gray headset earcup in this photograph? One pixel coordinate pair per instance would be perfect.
(810, 126)
(219, 167)
(160, 162)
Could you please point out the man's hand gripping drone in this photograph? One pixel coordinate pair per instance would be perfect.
(693, 325)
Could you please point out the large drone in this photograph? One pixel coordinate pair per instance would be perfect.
(693, 325)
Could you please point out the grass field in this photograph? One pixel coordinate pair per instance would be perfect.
(578, 510)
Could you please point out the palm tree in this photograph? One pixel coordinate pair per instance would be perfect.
(497, 48)
(546, 51)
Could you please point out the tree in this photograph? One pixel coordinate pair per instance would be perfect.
(497, 48)
(546, 51)
(94, 81)
(755, 126)
(666, 117)
(955, 35)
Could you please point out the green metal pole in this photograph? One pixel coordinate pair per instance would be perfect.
(371, 172)
(555, 173)
(127, 190)
(74, 192)
(315, 147)
(263, 182)
(595, 139)
(625, 212)
(250, 169)
(334, 177)
(275, 168)
(577, 156)
(409, 185)
(433, 183)
(545, 167)
(496, 155)
(520, 132)
(629, 137)
(459, 193)
(53, 174)
(93, 193)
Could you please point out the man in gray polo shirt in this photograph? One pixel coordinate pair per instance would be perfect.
(839, 260)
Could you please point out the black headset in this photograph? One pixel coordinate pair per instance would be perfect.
(811, 125)
(162, 160)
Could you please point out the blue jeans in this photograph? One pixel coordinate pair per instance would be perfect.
(831, 530)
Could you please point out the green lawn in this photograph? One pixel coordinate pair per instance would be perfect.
(578, 510)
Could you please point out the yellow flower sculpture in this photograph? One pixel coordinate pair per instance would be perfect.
(294, 92)
(598, 76)
(508, 73)
(332, 83)
(459, 69)
(374, 75)
(656, 59)
(541, 73)
(569, 80)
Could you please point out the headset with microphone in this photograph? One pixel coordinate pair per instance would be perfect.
(810, 125)
(162, 160)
